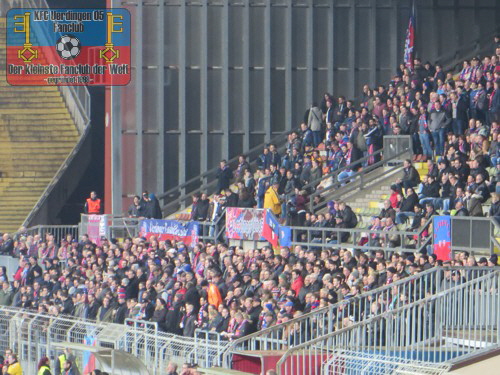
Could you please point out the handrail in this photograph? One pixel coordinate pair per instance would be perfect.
(336, 172)
(279, 137)
(384, 315)
(314, 313)
(272, 334)
(337, 185)
(357, 231)
(184, 196)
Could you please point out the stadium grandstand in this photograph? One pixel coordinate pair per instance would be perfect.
(283, 187)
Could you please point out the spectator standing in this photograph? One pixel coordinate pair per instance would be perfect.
(44, 366)
(13, 366)
(314, 122)
(272, 200)
(93, 205)
(439, 121)
(224, 176)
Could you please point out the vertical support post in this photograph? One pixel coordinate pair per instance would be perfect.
(246, 76)
(373, 43)
(182, 97)
(352, 48)
(288, 66)
(225, 80)
(267, 70)
(310, 52)
(138, 98)
(116, 147)
(394, 35)
(160, 100)
(331, 46)
(204, 91)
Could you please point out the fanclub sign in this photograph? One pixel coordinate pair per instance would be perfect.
(67, 47)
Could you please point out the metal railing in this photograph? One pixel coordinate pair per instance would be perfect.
(474, 234)
(113, 226)
(334, 174)
(361, 363)
(357, 180)
(33, 335)
(388, 240)
(395, 147)
(180, 196)
(58, 231)
(323, 321)
(451, 323)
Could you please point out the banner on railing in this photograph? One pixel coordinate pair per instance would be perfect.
(172, 230)
(97, 227)
(442, 237)
(254, 225)
(245, 223)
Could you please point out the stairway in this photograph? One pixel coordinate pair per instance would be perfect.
(37, 134)
(369, 202)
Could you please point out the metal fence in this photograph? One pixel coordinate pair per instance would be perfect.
(474, 234)
(58, 231)
(348, 362)
(358, 308)
(389, 240)
(452, 323)
(395, 147)
(32, 335)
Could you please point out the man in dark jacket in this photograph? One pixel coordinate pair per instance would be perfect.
(411, 178)
(187, 322)
(430, 191)
(439, 122)
(224, 176)
(149, 207)
(192, 296)
(120, 310)
(7, 245)
(348, 215)
(407, 207)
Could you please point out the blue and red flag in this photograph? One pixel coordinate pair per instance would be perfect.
(68, 47)
(410, 38)
(442, 237)
(88, 357)
(271, 229)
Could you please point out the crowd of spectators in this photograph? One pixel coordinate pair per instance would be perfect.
(211, 287)
(453, 120)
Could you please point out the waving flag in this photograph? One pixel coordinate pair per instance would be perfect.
(271, 229)
(410, 38)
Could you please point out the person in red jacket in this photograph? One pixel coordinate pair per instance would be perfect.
(93, 205)
(297, 282)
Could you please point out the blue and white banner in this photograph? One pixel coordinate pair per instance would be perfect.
(172, 230)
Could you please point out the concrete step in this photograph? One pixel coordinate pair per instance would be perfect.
(35, 111)
(49, 104)
(41, 137)
(29, 94)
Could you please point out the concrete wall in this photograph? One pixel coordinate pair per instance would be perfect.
(214, 78)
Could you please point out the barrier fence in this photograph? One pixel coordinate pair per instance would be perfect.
(32, 335)
(392, 240)
(357, 308)
(452, 323)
